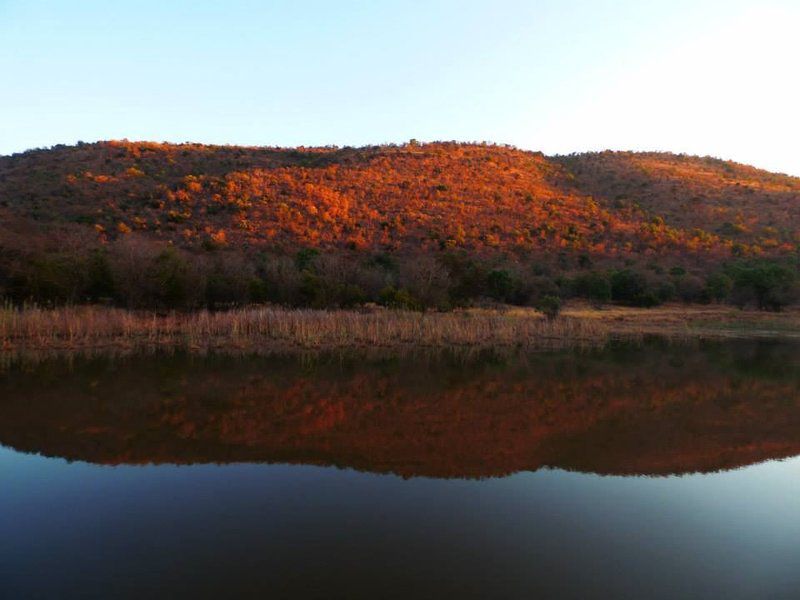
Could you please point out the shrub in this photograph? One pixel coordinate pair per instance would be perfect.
(549, 305)
(101, 278)
(500, 285)
(258, 290)
(398, 298)
(129, 258)
(282, 280)
(593, 286)
(718, 287)
(531, 290)
(467, 278)
(49, 277)
(631, 288)
(768, 286)
(229, 281)
(664, 291)
(305, 257)
(178, 283)
(690, 288)
(384, 261)
(426, 280)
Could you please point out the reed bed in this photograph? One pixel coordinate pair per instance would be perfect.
(90, 327)
(40, 332)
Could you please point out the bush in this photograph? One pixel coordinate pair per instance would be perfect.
(129, 259)
(718, 287)
(101, 278)
(49, 278)
(138, 272)
(531, 290)
(178, 283)
(331, 281)
(398, 298)
(665, 291)
(631, 288)
(500, 285)
(282, 280)
(229, 281)
(690, 288)
(426, 280)
(467, 278)
(305, 257)
(550, 306)
(768, 286)
(258, 290)
(593, 286)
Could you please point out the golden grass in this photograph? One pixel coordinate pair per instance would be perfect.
(98, 328)
(694, 321)
(82, 327)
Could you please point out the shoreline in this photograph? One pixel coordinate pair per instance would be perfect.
(266, 329)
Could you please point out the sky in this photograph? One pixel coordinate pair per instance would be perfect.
(701, 77)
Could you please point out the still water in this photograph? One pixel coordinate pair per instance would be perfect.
(650, 472)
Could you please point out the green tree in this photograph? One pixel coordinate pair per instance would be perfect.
(769, 286)
(549, 305)
(500, 285)
(177, 283)
(631, 288)
(594, 286)
(718, 287)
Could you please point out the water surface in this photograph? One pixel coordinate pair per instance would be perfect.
(663, 471)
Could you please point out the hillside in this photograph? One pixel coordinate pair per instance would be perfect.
(476, 197)
(490, 203)
(746, 207)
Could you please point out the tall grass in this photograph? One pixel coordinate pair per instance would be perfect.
(86, 327)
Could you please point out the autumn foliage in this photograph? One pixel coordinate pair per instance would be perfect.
(505, 208)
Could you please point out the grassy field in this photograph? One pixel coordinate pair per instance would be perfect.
(694, 321)
(97, 328)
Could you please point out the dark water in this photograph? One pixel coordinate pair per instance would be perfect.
(654, 472)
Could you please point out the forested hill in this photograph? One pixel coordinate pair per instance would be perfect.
(479, 198)
(445, 202)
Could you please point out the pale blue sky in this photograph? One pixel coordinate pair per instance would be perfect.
(704, 77)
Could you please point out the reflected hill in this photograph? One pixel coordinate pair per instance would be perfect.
(624, 411)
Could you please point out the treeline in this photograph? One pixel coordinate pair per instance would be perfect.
(138, 273)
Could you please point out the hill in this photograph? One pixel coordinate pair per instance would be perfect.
(496, 205)
(749, 210)
(477, 197)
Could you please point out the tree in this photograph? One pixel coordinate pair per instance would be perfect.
(426, 280)
(768, 286)
(593, 286)
(718, 287)
(500, 285)
(398, 298)
(690, 288)
(178, 284)
(230, 280)
(549, 305)
(631, 288)
(101, 278)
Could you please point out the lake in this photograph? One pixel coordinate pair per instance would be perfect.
(654, 471)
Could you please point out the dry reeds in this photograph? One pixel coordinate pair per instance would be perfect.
(85, 327)
(268, 329)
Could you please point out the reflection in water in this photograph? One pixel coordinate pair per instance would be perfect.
(207, 517)
(651, 411)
